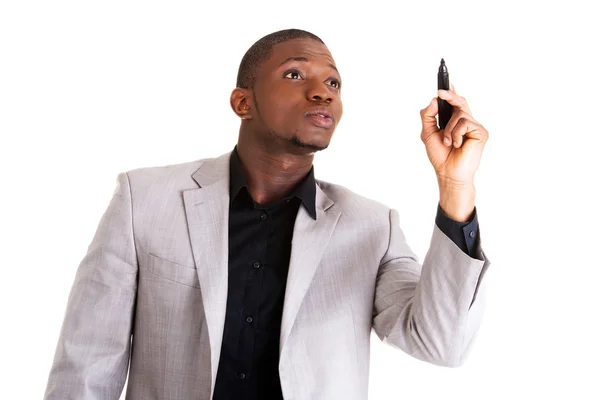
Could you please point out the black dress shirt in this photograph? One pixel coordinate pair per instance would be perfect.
(260, 240)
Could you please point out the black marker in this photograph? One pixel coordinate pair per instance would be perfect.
(444, 108)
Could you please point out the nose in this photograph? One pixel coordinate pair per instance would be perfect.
(319, 92)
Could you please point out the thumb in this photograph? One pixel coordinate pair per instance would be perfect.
(428, 117)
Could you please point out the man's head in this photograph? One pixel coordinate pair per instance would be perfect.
(288, 92)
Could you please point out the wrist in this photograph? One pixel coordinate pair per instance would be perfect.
(457, 199)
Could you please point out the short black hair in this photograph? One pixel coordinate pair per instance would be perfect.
(261, 51)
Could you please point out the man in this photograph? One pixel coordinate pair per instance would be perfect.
(243, 277)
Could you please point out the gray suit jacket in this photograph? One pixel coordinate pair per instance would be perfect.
(152, 289)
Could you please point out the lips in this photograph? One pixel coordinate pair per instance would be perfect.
(320, 116)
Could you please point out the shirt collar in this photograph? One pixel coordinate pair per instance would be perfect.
(305, 190)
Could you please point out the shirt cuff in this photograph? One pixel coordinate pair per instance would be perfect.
(464, 234)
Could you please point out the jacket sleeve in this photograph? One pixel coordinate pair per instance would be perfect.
(92, 354)
(433, 311)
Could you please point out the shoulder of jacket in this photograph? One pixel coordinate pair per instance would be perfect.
(178, 175)
(347, 198)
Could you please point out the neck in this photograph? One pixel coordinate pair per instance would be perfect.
(272, 173)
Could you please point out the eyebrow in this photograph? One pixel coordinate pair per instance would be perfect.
(304, 59)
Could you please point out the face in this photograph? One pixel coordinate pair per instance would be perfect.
(296, 96)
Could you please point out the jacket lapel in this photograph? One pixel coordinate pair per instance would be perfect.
(207, 213)
(308, 245)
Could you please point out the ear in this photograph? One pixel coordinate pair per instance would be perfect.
(241, 103)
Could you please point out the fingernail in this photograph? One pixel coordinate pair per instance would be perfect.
(456, 144)
(447, 141)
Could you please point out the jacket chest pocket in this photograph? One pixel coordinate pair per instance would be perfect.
(172, 271)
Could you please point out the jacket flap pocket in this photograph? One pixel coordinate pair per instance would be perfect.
(173, 271)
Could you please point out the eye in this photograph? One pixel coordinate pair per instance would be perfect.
(335, 83)
(292, 75)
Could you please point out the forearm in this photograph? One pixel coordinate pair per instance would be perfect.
(457, 199)
(433, 312)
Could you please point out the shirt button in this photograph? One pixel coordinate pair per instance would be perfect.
(264, 216)
(472, 234)
(256, 265)
(242, 375)
(249, 319)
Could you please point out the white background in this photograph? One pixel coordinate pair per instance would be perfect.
(90, 89)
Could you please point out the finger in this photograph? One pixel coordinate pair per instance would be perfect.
(466, 129)
(455, 100)
(457, 115)
(428, 118)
